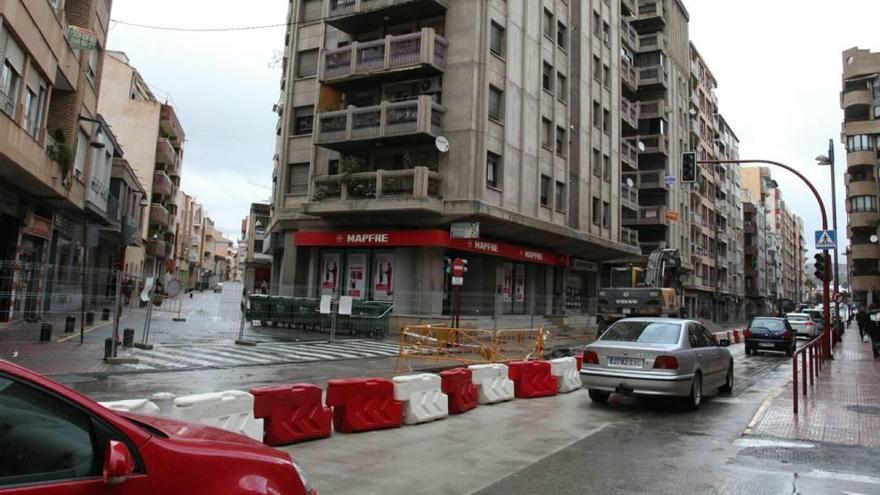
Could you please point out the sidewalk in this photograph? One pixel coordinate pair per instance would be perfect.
(843, 407)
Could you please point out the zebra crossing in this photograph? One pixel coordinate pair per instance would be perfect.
(179, 358)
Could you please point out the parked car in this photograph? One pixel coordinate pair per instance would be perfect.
(766, 333)
(816, 315)
(803, 325)
(657, 357)
(218, 287)
(55, 441)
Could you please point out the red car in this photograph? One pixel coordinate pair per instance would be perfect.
(56, 441)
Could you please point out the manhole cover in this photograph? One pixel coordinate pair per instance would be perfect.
(865, 409)
(783, 455)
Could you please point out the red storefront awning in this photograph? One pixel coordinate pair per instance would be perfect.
(414, 238)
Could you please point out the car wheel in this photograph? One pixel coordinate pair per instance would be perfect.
(728, 383)
(695, 399)
(598, 396)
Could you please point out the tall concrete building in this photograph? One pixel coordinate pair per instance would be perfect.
(526, 95)
(53, 145)
(755, 257)
(256, 265)
(153, 138)
(860, 100)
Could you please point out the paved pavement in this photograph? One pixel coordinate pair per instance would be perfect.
(843, 407)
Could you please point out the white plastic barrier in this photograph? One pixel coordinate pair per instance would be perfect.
(136, 406)
(566, 369)
(232, 410)
(492, 383)
(423, 400)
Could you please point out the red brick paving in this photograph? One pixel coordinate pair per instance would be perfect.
(826, 414)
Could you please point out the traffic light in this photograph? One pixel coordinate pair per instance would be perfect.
(447, 265)
(819, 266)
(688, 167)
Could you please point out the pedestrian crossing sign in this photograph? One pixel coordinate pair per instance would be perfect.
(826, 239)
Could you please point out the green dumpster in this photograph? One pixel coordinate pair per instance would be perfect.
(259, 309)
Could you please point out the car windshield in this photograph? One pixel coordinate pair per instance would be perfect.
(797, 317)
(646, 332)
(767, 325)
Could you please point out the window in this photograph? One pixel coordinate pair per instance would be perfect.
(606, 122)
(561, 87)
(496, 39)
(696, 337)
(547, 77)
(303, 119)
(861, 204)
(496, 104)
(44, 438)
(10, 77)
(258, 245)
(606, 214)
(597, 24)
(311, 10)
(597, 211)
(644, 332)
(548, 24)
(307, 63)
(597, 64)
(92, 68)
(859, 142)
(561, 35)
(597, 163)
(333, 167)
(298, 179)
(545, 190)
(561, 141)
(560, 196)
(493, 170)
(606, 76)
(547, 133)
(82, 144)
(606, 33)
(597, 115)
(606, 167)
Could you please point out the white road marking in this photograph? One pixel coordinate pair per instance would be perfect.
(760, 442)
(830, 475)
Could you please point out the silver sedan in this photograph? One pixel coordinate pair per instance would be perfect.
(657, 357)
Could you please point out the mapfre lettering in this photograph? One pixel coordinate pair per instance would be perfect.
(533, 255)
(367, 238)
(486, 246)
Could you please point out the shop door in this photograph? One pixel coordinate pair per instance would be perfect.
(576, 293)
(31, 255)
(9, 227)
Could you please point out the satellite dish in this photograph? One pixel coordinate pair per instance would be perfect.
(874, 239)
(442, 144)
(172, 288)
(629, 182)
(641, 146)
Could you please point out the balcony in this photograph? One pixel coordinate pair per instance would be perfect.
(655, 143)
(157, 248)
(647, 215)
(629, 154)
(857, 98)
(650, 15)
(652, 109)
(861, 127)
(863, 219)
(629, 36)
(656, 75)
(195, 240)
(629, 196)
(170, 125)
(650, 179)
(859, 158)
(418, 54)
(629, 113)
(865, 281)
(416, 189)
(165, 154)
(652, 42)
(400, 122)
(629, 75)
(162, 184)
(865, 251)
(629, 237)
(159, 215)
(861, 188)
(366, 15)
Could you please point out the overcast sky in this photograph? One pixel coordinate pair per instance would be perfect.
(777, 62)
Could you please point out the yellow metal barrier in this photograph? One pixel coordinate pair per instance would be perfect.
(468, 345)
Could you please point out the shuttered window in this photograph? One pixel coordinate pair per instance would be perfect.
(298, 179)
(311, 10)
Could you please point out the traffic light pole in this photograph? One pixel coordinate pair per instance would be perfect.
(827, 342)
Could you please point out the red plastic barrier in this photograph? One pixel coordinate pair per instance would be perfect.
(363, 404)
(736, 336)
(458, 384)
(532, 379)
(580, 361)
(291, 413)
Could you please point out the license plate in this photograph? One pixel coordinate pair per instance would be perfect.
(625, 362)
(766, 344)
(627, 311)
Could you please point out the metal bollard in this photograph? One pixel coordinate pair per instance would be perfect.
(105, 314)
(45, 332)
(128, 337)
(69, 324)
(108, 348)
(90, 318)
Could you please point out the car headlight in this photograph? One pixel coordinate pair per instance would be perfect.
(307, 483)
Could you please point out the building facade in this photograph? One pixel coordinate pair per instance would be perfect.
(256, 265)
(755, 258)
(860, 101)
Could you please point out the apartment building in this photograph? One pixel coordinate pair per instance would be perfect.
(755, 257)
(860, 101)
(398, 119)
(256, 265)
(50, 139)
(153, 139)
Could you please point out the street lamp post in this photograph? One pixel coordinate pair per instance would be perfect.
(829, 160)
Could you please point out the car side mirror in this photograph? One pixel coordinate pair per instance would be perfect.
(118, 463)
(723, 342)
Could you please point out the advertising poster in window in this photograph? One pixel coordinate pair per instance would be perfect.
(520, 288)
(383, 277)
(330, 267)
(507, 285)
(355, 285)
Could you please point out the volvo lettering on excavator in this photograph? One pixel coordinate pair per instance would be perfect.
(652, 290)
